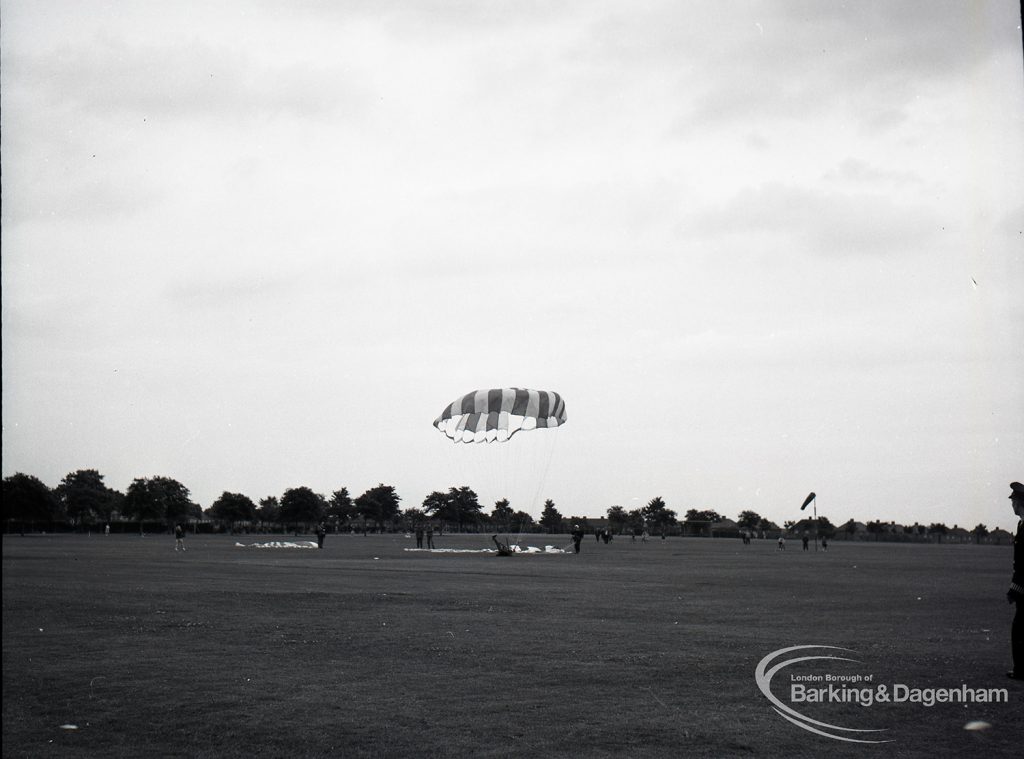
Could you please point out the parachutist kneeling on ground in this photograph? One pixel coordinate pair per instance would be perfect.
(503, 548)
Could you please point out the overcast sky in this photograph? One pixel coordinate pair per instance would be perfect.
(760, 248)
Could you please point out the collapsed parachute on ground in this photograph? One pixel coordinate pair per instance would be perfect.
(279, 544)
(495, 415)
(525, 550)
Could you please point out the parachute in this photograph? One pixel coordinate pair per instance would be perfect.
(495, 415)
(514, 471)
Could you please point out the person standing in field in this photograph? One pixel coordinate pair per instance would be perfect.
(419, 536)
(1015, 595)
(806, 540)
(321, 533)
(179, 537)
(106, 530)
(782, 542)
(430, 536)
(577, 537)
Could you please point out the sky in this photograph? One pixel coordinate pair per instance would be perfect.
(760, 248)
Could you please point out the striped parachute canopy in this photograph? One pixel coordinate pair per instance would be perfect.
(487, 416)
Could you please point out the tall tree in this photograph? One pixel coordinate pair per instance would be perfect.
(84, 496)
(232, 508)
(159, 499)
(434, 504)
(550, 517)
(379, 505)
(413, 518)
(464, 506)
(503, 515)
(340, 508)
(635, 521)
(27, 499)
(748, 520)
(301, 506)
(658, 516)
(617, 519)
(521, 521)
(458, 506)
(703, 515)
(269, 510)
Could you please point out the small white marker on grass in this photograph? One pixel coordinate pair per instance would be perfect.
(977, 724)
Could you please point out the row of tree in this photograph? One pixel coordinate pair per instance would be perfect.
(82, 498)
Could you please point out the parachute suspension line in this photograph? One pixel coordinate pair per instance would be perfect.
(516, 467)
(495, 415)
(507, 461)
(542, 479)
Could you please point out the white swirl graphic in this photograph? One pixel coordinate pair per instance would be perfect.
(764, 676)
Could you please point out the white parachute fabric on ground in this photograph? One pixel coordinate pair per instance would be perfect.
(525, 550)
(534, 549)
(280, 544)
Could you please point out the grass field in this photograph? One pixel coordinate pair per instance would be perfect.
(367, 650)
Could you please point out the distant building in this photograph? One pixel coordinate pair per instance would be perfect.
(959, 535)
(999, 537)
(856, 529)
(726, 528)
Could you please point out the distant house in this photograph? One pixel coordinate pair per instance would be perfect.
(726, 528)
(858, 529)
(811, 527)
(959, 535)
(999, 537)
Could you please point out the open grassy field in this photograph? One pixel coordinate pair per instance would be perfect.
(367, 650)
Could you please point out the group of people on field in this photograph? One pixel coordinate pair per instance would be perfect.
(427, 532)
(804, 540)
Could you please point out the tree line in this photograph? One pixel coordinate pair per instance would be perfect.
(83, 499)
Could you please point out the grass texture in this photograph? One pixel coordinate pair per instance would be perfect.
(364, 649)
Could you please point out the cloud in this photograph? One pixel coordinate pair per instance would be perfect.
(240, 289)
(823, 224)
(801, 63)
(189, 79)
(856, 171)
